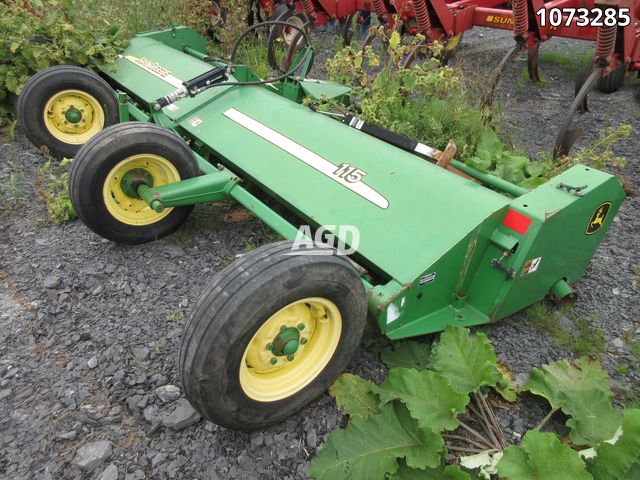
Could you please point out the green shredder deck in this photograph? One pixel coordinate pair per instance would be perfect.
(414, 218)
(409, 211)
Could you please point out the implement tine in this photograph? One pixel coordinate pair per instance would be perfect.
(532, 62)
(567, 136)
(487, 101)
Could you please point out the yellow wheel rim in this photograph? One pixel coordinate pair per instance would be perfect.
(319, 325)
(73, 116)
(135, 211)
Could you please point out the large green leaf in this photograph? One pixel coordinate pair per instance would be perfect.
(355, 396)
(542, 456)
(427, 395)
(408, 355)
(582, 391)
(613, 461)
(535, 169)
(479, 163)
(370, 449)
(468, 363)
(489, 145)
(449, 472)
(633, 473)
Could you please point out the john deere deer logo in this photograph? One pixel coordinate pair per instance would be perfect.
(598, 217)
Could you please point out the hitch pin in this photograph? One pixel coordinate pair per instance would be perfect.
(577, 191)
(509, 272)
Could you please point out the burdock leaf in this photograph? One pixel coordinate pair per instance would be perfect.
(410, 354)
(542, 456)
(428, 396)
(449, 472)
(467, 363)
(370, 448)
(614, 460)
(582, 391)
(355, 396)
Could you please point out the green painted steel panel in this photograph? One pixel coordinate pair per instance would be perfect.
(429, 208)
(145, 86)
(434, 235)
(469, 290)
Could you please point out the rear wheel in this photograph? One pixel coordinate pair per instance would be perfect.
(62, 107)
(100, 192)
(283, 40)
(270, 335)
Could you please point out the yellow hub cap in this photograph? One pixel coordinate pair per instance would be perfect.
(135, 211)
(73, 116)
(269, 371)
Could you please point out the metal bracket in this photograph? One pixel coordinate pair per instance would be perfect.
(509, 272)
(577, 191)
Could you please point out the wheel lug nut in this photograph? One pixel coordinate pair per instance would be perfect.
(274, 360)
(301, 326)
(290, 358)
(303, 341)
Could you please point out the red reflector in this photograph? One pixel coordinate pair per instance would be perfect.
(517, 222)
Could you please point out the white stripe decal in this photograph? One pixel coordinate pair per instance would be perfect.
(155, 69)
(307, 156)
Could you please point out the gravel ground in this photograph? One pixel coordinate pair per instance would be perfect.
(90, 330)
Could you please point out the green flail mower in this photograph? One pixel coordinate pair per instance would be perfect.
(433, 243)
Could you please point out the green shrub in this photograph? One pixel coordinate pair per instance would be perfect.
(49, 33)
(42, 33)
(430, 103)
(426, 102)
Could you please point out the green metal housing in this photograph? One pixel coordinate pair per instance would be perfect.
(435, 248)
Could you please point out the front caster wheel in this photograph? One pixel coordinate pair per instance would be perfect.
(270, 335)
(102, 175)
(62, 107)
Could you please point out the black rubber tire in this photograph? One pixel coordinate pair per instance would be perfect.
(42, 86)
(241, 298)
(282, 13)
(614, 81)
(222, 18)
(104, 151)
